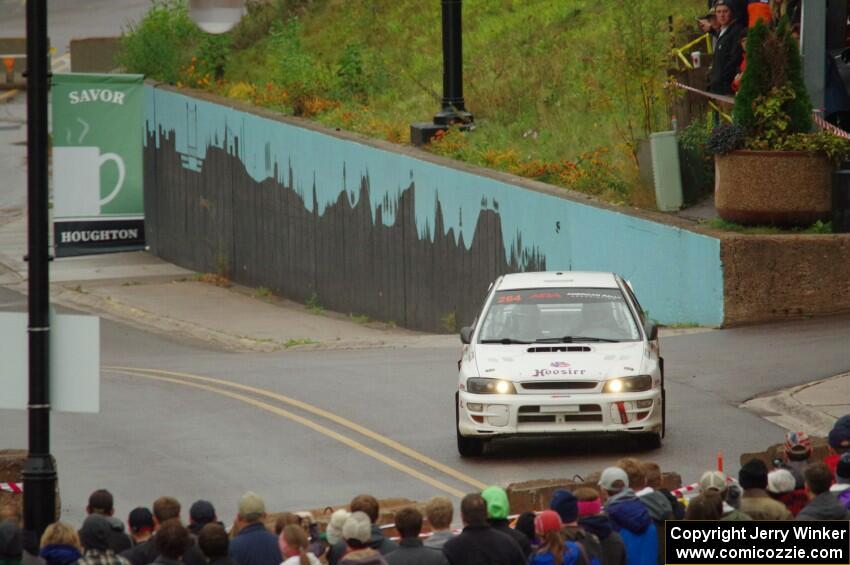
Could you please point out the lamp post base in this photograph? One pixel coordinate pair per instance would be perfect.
(422, 133)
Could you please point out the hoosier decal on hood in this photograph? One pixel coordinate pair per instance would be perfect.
(558, 368)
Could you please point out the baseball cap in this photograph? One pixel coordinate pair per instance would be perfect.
(842, 469)
(251, 506)
(610, 476)
(710, 15)
(140, 520)
(358, 527)
(712, 480)
(202, 512)
(724, 3)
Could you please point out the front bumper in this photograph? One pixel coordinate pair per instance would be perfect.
(553, 414)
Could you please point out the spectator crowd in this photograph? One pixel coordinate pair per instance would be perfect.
(619, 521)
(727, 23)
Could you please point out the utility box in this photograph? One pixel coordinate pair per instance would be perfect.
(841, 201)
(666, 173)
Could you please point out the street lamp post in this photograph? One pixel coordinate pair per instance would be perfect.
(453, 111)
(39, 470)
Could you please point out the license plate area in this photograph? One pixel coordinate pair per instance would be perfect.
(561, 409)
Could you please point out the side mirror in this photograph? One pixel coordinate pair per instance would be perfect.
(651, 330)
(466, 334)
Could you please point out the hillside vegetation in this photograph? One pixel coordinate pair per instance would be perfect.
(561, 90)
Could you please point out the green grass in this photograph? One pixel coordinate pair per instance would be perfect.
(818, 227)
(290, 343)
(314, 306)
(360, 318)
(263, 292)
(683, 326)
(561, 90)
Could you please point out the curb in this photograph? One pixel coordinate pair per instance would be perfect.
(784, 410)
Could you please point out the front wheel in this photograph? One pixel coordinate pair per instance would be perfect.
(466, 446)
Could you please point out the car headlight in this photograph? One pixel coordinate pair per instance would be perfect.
(478, 385)
(639, 383)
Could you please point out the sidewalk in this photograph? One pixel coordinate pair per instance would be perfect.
(146, 292)
(812, 408)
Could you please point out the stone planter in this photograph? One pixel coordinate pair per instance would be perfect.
(782, 188)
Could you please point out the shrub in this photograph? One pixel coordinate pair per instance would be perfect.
(161, 43)
(725, 138)
(773, 78)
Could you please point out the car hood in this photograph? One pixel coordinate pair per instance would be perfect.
(584, 361)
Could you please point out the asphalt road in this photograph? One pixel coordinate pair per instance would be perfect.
(206, 439)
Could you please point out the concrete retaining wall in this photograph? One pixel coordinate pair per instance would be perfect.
(388, 231)
(777, 277)
(94, 54)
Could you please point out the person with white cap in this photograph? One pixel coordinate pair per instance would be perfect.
(629, 517)
(782, 486)
(715, 481)
(357, 533)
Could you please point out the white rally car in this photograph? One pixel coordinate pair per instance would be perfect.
(559, 353)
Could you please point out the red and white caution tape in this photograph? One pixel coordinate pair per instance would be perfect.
(825, 125)
(816, 115)
(16, 488)
(718, 97)
(693, 489)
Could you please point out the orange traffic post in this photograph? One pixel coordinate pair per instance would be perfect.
(9, 63)
(720, 461)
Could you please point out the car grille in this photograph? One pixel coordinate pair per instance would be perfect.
(559, 385)
(586, 413)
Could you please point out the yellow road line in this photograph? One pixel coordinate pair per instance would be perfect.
(413, 454)
(8, 95)
(354, 444)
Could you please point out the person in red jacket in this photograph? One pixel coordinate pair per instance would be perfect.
(758, 10)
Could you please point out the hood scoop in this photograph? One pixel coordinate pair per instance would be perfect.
(559, 349)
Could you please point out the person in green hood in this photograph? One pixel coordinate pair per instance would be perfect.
(498, 509)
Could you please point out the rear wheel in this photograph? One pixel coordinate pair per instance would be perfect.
(466, 446)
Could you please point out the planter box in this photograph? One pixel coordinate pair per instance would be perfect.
(783, 188)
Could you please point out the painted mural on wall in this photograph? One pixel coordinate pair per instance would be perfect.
(366, 230)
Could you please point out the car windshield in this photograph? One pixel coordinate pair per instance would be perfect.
(558, 315)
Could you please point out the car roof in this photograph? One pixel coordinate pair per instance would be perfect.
(558, 279)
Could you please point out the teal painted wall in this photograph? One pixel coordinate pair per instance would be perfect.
(676, 274)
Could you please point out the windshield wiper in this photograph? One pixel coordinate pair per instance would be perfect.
(573, 338)
(505, 341)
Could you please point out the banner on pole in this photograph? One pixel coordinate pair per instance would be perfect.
(97, 163)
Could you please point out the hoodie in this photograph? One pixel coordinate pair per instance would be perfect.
(660, 509)
(95, 533)
(824, 506)
(60, 554)
(842, 493)
(365, 556)
(613, 549)
(498, 508)
(632, 521)
(11, 548)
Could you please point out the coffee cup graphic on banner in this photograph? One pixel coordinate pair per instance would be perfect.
(76, 180)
